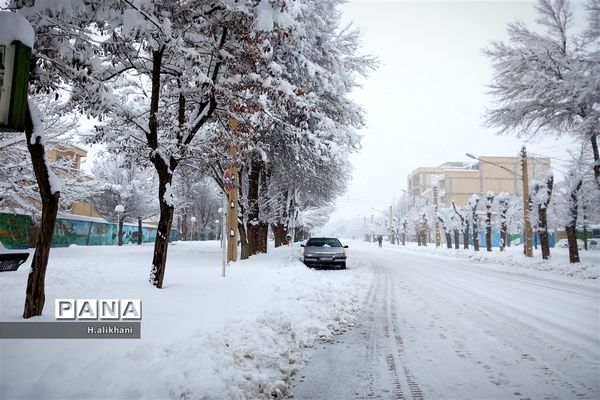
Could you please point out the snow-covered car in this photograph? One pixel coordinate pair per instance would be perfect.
(594, 244)
(324, 252)
(564, 243)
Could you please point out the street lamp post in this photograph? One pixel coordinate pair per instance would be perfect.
(193, 219)
(119, 209)
(527, 231)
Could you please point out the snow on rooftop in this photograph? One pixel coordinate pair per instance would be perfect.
(15, 27)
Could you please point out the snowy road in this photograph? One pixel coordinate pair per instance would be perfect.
(435, 327)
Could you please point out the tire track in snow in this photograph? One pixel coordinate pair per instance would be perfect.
(457, 288)
(366, 362)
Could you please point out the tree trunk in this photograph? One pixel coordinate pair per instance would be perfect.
(475, 234)
(571, 227)
(34, 231)
(543, 232)
(161, 244)
(120, 232)
(488, 231)
(503, 230)
(403, 239)
(89, 234)
(263, 238)
(35, 296)
(448, 240)
(465, 225)
(543, 218)
(456, 239)
(252, 226)
(572, 239)
(280, 234)
(140, 231)
(245, 248)
(594, 140)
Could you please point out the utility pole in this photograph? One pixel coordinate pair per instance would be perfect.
(527, 232)
(438, 239)
(225, 207)
(232, 234)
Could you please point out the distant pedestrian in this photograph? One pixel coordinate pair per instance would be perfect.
(380, 240)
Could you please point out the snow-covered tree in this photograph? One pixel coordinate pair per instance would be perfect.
(44, 80)
(474, 219)
(575, 194)
(196, 196)
(294, 125)
(503, 201)
(120, 182)
(541, 194)
(570, 198)
(447, 218)
(489, 202)
(19, 191)
(463, 217)
(549, 83)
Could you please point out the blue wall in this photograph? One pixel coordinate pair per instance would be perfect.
(15, 228)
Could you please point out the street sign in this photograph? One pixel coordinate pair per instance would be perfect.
(228, 181)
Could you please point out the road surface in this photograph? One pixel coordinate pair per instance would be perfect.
(440, 328)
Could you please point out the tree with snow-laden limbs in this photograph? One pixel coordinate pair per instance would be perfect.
(503, 200)
(130, 185)
(196, 196)
(474, 219)
(404, 230)
(17, 179)
(541, 194)
(576, 193)
(464, 224)
(288, 124)
(446, 217)
(489, 202)
(150, 72)
(548, 83)
(16, 27)
(153, 74)
(570, 198)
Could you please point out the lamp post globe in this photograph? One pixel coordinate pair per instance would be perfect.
(193, 219)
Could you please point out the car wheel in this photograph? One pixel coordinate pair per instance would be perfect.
(343, 265)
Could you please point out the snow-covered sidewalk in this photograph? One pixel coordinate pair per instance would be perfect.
(512, 257)
(203, 336)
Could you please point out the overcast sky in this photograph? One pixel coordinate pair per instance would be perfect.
(425, 102)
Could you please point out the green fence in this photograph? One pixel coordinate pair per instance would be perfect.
(15, 230)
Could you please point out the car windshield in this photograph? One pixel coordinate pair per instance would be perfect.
(323, 242)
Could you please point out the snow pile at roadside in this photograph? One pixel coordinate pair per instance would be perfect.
(588, 268)
(203, 336)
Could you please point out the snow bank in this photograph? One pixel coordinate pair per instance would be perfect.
(15, 27)
(588, 268)
(203, 336)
